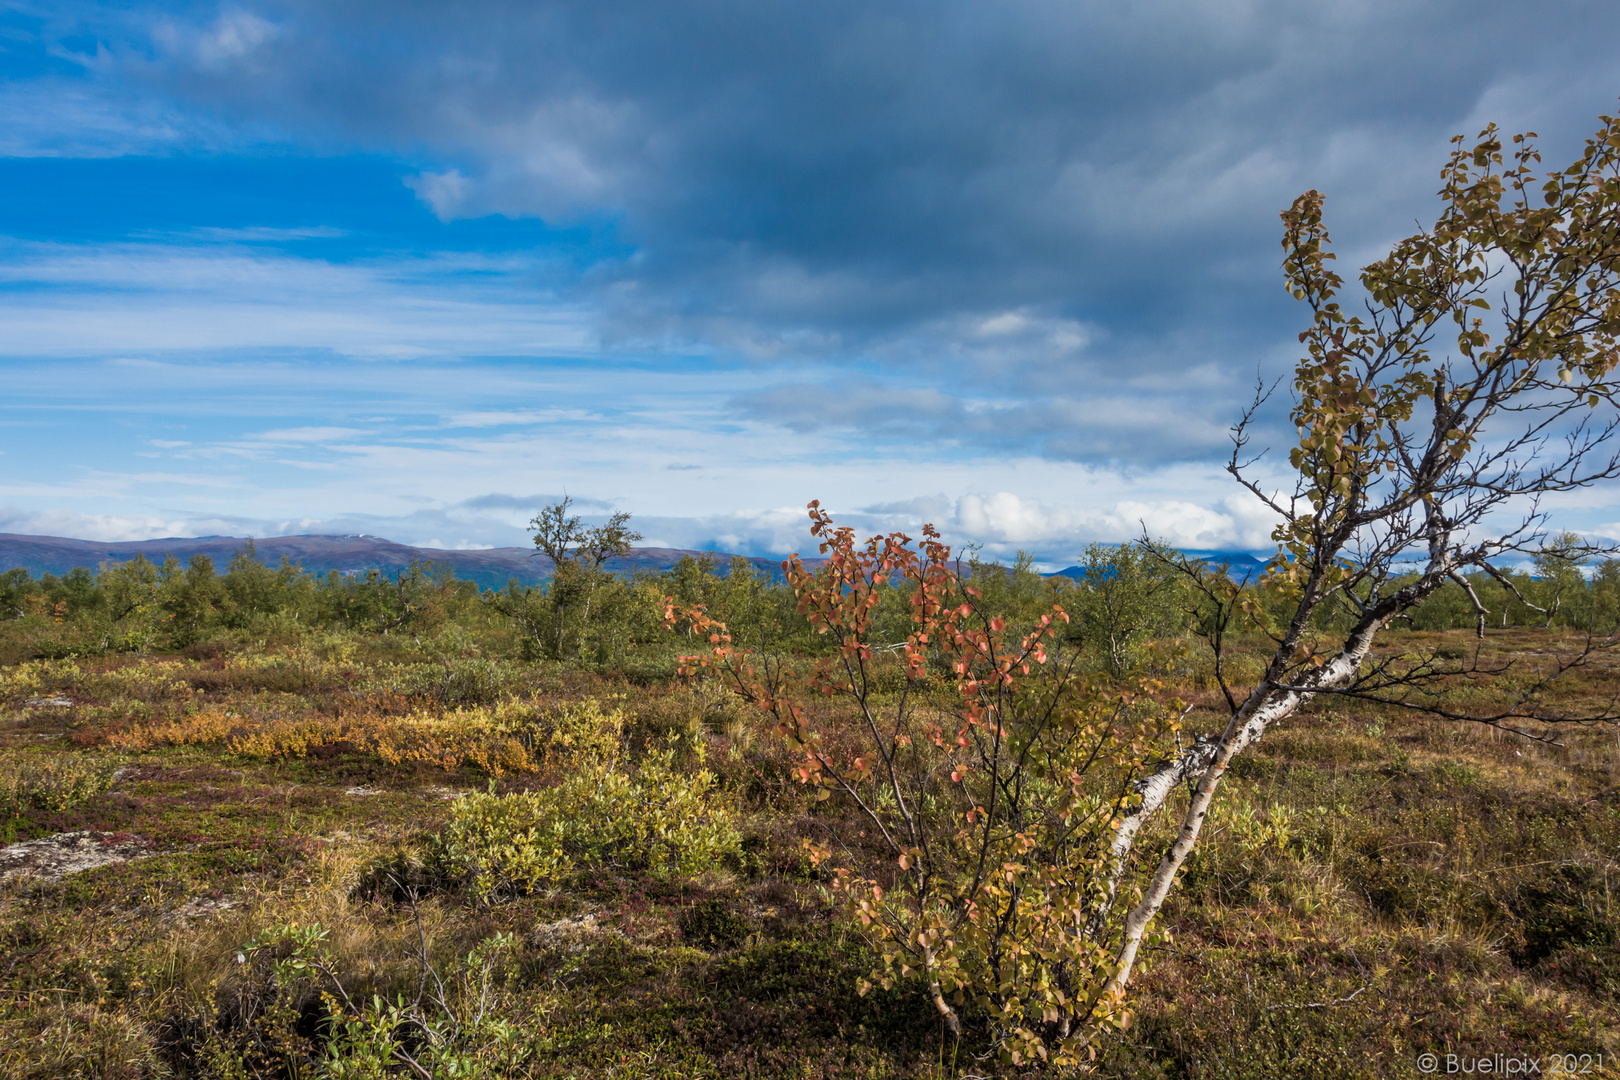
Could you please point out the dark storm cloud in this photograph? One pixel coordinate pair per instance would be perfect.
(844, 170)
(1068, 201)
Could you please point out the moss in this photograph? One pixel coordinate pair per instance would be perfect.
(714, 924)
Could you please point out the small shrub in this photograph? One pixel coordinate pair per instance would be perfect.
(576, 732)
(292, 1007)
(460, 681)
(1457, 774)
(395, 878)
(53, 782)
(1256, 830)
(659, 820)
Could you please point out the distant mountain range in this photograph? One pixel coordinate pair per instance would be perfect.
(490, 567)
(1237, 563)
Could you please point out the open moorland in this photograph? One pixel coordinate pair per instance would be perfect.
(264, 825)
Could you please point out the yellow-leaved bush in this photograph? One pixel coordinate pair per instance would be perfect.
(122, 688)
(651, 817)
(51, 782)
(510, 738)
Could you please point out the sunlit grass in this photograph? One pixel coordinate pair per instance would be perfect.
(1374, 884)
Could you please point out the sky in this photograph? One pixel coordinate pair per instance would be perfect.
(415, 270)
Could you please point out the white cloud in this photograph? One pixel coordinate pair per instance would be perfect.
(233, 36)
(222, 47)
(1005, 519)
(445, 193)
(310, 434)
(109, 527)
(513, 417)
(77, 300)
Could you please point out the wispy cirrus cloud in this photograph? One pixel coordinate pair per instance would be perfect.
(179, 296)
(515, 417)
(310, 434)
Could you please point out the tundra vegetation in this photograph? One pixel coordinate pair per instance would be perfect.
(901, 813)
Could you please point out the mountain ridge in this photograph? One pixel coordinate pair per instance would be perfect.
(322, 553)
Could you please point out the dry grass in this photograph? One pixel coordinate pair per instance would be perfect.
(1375, 885)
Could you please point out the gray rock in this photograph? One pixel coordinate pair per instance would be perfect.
(52, 858)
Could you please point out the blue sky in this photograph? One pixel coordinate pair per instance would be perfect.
(416, 269)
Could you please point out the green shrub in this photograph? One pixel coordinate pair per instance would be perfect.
(657, 820)
(454, 681)
(52, 782)
(576, 733)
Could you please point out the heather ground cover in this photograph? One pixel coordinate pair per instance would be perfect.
(343, 852)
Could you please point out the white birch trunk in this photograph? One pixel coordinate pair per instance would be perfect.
(1264, 707)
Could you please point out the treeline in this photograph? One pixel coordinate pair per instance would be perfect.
(583, 614)
(143, 605)
(1126, 597)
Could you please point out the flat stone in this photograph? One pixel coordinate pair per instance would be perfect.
(201, 905)
(52, 858)
(572, 935)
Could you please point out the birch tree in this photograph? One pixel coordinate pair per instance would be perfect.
(986, 786)
(1474, 382)
(1018, 811)
(577, 555)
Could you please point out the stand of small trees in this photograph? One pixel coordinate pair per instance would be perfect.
(141, 606)
(1123, 603)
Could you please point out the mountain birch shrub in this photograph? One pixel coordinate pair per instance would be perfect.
(657, 818)
(1475, 382)
(1125, 601)
(48, 781)
(988, 788)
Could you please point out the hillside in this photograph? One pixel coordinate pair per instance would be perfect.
(490, 567)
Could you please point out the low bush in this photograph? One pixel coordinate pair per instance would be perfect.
(579, 731)
(51, 782)
(658, 819)
(512, 738)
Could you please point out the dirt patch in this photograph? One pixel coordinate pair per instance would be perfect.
(54, 857)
